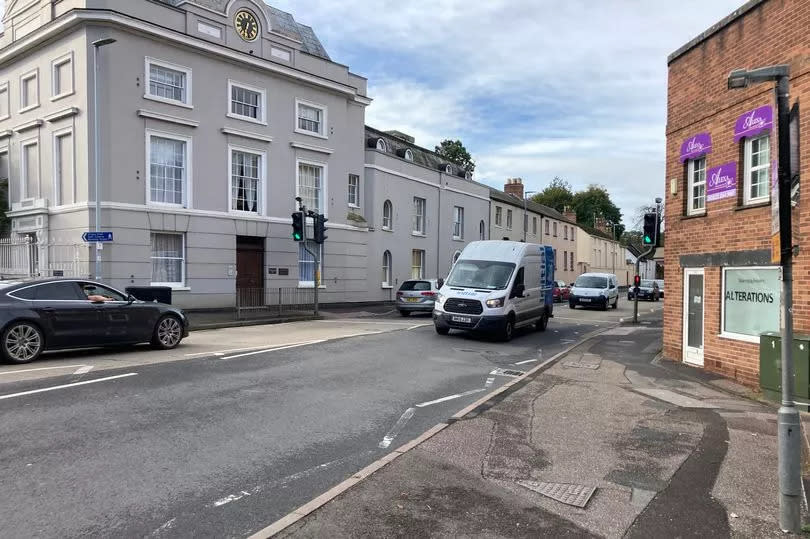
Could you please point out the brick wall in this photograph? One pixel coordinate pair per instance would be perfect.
(698, 100)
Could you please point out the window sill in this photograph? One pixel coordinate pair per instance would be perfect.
(695, 216)
(311, 134)
(311, 285)
(167, 101)
(752, 206)
(386, 286)
(62, 95)
(386, 229)
(739, 337)
(29, 107)
(418, 235)
(246, 119)
(354, 206)
(456, 238)
(245, 213)
(498, 226)
(164, 205)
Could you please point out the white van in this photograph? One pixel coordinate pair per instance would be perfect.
(497, 286)
(595, 290)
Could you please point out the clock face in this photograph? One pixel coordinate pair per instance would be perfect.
(246, 25)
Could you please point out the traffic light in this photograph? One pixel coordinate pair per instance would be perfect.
(650, 237)
(637, 280)
(320, 228)
(298, 226)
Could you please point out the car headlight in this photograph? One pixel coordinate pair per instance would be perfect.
(495, 303)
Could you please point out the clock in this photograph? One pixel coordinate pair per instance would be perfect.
(246, 25)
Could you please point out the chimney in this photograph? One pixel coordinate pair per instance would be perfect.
(514, 187)
(570, 214)
(601, 224)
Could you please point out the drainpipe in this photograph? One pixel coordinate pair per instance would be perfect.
(439, 234)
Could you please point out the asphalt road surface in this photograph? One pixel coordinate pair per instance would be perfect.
(221, 446)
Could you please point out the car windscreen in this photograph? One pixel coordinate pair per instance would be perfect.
(484, 274)
(590, 281)
(415, 285)
(647, 284)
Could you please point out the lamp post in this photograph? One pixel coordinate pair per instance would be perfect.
(789, 430)
(97, 148)
(613, 230)
(526, 215)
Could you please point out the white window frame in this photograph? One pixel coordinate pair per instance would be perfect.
(508, 219)
(482, 230)
(749, 169)
(498, 216)
(6, 88)
(408, 155)
(318, 268)
(57, 158)
(690, 186)
(175, 285)
(565, 232)
(390, 225)
(187, 187)
(187, 103)
(56, 91)
(261, 188)
(547, 226)
(262, 119)
(573, 228)
(534, 226)
(554, 229)
(387, 269)
(324, 198)
(33, 74)
(458, 223)
(24, 194)
(723, 332)
(4, 151)
(419, 221)
(324, 114)
(381, 145)
(356, 202)
(422, 261)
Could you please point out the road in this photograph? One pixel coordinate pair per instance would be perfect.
(222, 445)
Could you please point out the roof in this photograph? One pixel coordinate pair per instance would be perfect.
(532, 206)
(500, 250)
(281, 22)
(715, 28)
(421, 156)
(594, 232)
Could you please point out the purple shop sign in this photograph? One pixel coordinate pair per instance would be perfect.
(721, 182)
(753, 122)
(695, 146)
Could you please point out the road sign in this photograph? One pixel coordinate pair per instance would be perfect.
(91, 237)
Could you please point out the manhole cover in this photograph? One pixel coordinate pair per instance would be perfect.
(507, 372)
(567, 493)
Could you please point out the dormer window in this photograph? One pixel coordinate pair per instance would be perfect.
(408, 155)
(448, 169)
(468, 175)
(381, 145)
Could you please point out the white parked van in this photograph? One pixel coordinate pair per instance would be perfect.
(497, 286)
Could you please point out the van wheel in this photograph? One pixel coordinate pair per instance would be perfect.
(542, 324)
(616, 303)
(509, 329)
(442, 331)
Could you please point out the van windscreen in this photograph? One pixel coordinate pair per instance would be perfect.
(485, 274)
(590, 281)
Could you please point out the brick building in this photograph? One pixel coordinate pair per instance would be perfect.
(723, 290)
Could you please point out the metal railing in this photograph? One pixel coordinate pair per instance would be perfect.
(274, 301)
(22, 257)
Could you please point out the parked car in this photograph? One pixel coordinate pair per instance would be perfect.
(55, 314)
(497, 286)
(595, 290)
(561, 291)
(660, 283)
(417, 296)
(648, 290)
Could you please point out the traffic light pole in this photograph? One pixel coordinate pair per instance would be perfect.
(647, 253)
(315, 255)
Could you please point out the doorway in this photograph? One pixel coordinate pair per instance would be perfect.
(693, 297)
(250, 270)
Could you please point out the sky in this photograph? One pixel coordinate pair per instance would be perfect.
(533, 88)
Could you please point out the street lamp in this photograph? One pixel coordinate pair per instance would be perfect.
(789, 431)
(96, 147)
(526, 215)
(612, 226)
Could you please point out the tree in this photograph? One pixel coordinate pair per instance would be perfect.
(595, 202)
(557, 195)
(455, 152)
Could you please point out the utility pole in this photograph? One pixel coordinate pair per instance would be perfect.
(97, 150)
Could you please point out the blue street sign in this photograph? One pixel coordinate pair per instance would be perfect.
(91, 237)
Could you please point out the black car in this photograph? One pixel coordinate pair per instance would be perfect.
(648, 291)
(54, 314)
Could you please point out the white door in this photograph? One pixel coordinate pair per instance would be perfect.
(693, 316)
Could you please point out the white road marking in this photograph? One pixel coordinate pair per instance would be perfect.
(42, 369)
(166, 526)
(294, 345)
(450, 397)
(222, 352)
(232, 498)
(22, 393)
(84, 370)
(581, 320)
(391, 434)
(391, 323)
(417, 326)
(524, 362)
(566, 341)
(627, 342)
(490, 381)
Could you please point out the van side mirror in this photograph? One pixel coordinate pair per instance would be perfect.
(439, 283)
(517, 291)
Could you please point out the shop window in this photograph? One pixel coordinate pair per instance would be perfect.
(751, 298)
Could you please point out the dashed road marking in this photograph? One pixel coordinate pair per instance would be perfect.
(63, 386)
(450, 397)
(294, 345)
(42, 369)
(526, 361)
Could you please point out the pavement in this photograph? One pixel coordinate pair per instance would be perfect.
(670, 451)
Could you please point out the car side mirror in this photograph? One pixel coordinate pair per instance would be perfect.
(518, 290)
(130, 299)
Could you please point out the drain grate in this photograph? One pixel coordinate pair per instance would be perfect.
(567, 493)
(507, 372)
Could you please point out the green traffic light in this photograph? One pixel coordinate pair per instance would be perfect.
(647, 239)
(297, 237)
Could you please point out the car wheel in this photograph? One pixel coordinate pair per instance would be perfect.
(616, 303)
(542, 324)
(442, 331)
(168, 333)
(604, 306)
(405, 313)
(508, 330)
(572, 305)
(22, 342)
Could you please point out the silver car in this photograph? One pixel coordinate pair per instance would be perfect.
(417, 296)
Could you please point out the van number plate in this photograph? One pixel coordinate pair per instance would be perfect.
(585, 300)
(462, 319)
